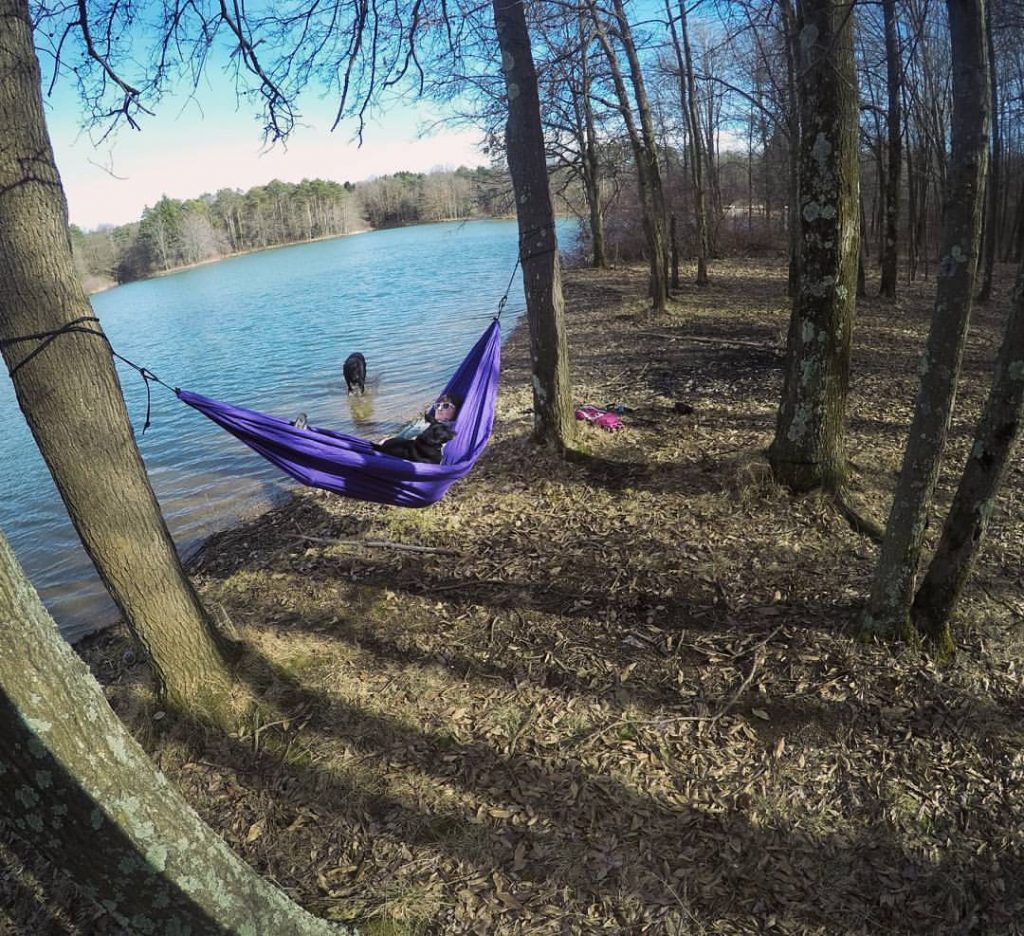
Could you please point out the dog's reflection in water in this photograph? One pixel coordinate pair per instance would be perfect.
(361, 409)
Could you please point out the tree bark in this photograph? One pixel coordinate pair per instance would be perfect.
(964, 531)
(674, 241)
(809, 446)
(69, 392)
(75, 787)
(1018, 228)
(891, 192)
(892, 591)
(912, 242)
(553, 422)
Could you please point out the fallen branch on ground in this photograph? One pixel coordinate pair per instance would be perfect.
(380, 544)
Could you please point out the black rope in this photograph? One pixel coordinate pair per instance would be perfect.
(78, 326)
(75, 325)
(504, 299)
(523, 238)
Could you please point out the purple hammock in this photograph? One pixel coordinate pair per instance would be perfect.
(350, 466)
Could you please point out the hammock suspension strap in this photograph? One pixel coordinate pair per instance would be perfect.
(523, 238)
(79, 326)
(504, 299)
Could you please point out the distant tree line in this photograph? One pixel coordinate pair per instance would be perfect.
(175, 233)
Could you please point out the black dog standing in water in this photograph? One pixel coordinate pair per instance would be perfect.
(354, 370)
(426, 447)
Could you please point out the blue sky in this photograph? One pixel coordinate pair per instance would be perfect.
(203, 144)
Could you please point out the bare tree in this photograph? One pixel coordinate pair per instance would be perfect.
(553, 420)
(793, 123)
(590, 162)
(643, 144)
(809, 446)
(991, 455)
(894, 124)
(67, 388)
(994, 183)
(688, 99)
(892, 591)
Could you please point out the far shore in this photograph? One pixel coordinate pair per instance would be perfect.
(104, 285)
(227, 256)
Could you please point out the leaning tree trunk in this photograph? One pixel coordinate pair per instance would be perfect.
(553, 421)
(656, 191)
(649, 205)
(68, 390)
(891, 192)
(888, 609)
(808, 450)
(76, 788)
(967, 523)
(688, 102)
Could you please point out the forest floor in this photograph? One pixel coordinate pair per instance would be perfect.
(623, 694)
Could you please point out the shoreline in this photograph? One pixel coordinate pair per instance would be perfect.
(192, 554)
(193, 561)
(231, 256)
(78, 626)
(296, 243)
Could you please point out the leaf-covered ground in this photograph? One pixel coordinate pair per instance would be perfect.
(622, 694)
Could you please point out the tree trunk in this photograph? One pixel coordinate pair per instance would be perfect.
(712, 180)
(650, 207)
(894, 80)
(591, 163)
(69, 392)
(862, 278)
(659, 242)
(808, 449)
(995, 182)
(912, 244)
(674, 239)
(887, 612)
(792, 98)
(76, 788)
(688, 96)
(967, 523)
(1018, 228)
(553, 422)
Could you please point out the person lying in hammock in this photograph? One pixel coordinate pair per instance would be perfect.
(444, 410)
(423, 440)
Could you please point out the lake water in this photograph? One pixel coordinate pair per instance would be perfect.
(268, 331)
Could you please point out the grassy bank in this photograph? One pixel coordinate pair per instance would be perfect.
(620, 694)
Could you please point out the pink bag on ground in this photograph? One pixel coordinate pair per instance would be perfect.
(599, 417)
